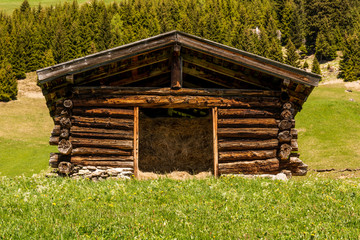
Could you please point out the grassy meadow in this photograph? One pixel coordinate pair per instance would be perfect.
(225, 208)
(8, 6)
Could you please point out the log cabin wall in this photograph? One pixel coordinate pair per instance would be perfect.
(95, 103)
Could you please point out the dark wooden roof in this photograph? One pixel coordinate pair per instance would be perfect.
(214, 49)
(150, 63)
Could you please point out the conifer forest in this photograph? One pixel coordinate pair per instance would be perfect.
(283, 30)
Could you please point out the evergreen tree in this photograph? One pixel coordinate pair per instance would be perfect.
(316, 66)
(350, 62)
(8, 83)
(292, 57)
(323, 49)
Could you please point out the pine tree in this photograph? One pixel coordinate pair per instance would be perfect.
(292, 57)
(350, 61)
(323, 49)
(316, 66)
(8, 83)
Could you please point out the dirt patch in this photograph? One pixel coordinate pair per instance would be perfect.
(28, 87)
(353, 85)
(176, 175)
(175, 144)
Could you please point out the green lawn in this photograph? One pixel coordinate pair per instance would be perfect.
(329, 129)
(24, 135)
(225, 208)
(10, 5)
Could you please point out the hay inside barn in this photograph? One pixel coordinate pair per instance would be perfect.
(168, 144)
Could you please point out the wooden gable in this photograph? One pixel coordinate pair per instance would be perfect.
(175, 60)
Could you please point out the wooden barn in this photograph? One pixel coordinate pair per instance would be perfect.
(176, 102)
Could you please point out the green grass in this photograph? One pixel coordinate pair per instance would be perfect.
(8, 6)
(329, 128)
(225, 208)
(24, 135)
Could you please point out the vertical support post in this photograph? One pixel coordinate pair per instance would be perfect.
(215, 141)
(136, 142)
(176, 68)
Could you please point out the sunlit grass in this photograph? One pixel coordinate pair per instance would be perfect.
(225, 208)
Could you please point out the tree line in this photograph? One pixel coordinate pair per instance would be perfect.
(36, 37)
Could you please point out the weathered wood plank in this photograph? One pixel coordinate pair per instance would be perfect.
(250, 167)
(249, 113)
(258, 133)
(122, 164)
(247, 155)
(103, 122)
(136, 142)
(176, 68)
(103, 143)
(104, 112)
(248, 122)
(101, 158)
(178, 102)
(128, 134)
(228, 145)
(100, 151)
(215, 141)
(113, 91)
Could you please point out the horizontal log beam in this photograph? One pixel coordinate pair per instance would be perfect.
(242, 113)
(75, 159)
(104, 112)
(103, 122)
(250, 167)
(178, 102)
(226, 145)
(246, 155)
(100, 151)
(124, 133)
(258, 133)
(104, 143)
(121, 164)
(111, 90)
(248, 122)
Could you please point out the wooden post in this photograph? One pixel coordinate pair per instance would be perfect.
(176, 69)
(215, 141)
(136, 142)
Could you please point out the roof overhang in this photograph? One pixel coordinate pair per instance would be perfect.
(239, 57)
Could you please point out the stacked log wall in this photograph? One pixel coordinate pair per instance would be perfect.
(248, 140)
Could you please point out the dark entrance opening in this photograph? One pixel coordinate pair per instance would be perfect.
(175, 140)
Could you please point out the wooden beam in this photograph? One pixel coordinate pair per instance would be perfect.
(237, 75)
(142, 76)
(136, 142)
(113, 91)
(210, 77)
(176, 68)
(215, 141)
(251, 167)
(178, 102)
(122, 67)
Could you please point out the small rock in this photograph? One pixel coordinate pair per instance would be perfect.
(103, 168)
(96, 174)
(348, 90)
(91, 168)
(128, 173)
(83, 172)
(281, 176)
(112, 172)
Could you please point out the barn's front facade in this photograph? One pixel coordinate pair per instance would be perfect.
(176, 102)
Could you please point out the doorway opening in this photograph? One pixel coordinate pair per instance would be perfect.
(175, 140)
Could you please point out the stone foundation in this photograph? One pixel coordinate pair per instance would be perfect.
(96, 173)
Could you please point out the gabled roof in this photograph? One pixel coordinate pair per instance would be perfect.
(216, 50)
